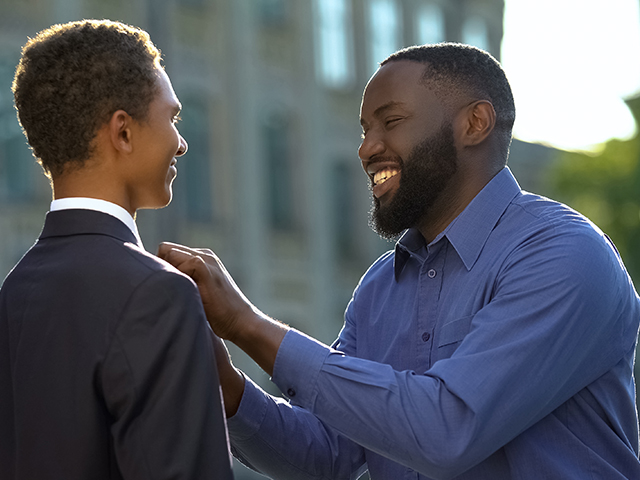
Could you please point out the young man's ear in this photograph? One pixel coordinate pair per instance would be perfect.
(477, 121)
(120, 131)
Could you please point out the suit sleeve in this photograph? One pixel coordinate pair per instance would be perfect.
(161, 386)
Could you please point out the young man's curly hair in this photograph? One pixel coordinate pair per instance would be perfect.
(72, 78)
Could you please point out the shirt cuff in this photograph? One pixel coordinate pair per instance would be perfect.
(297, 366)
(253, 407)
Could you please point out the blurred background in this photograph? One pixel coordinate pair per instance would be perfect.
(271, 92)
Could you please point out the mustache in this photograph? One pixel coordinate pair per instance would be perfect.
(386, 159)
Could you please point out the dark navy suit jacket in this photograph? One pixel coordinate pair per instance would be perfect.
(107, 368)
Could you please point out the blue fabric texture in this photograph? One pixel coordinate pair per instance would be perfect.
(503, 349)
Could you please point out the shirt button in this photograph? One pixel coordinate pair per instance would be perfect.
(291, 392)
(432, 273)
(426, 336)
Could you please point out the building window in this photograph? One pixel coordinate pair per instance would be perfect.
(334, 44)
(277, 147)
(384, 30)
(194, 171)
(429, 24)
(474, 32)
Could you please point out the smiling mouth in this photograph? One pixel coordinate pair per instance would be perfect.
(383, 175)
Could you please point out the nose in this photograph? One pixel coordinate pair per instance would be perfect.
(182, 149)
(371, 146)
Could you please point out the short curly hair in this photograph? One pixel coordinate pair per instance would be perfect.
(455, 68)
(71, 78)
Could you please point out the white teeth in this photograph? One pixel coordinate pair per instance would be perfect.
(383, 175)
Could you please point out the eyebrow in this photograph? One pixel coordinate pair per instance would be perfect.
(383, 108)
(177, 108)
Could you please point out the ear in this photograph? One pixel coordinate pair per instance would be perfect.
(120, 131)
(477, 121)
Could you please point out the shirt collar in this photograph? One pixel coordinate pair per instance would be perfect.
(98, 205)
(469, 231)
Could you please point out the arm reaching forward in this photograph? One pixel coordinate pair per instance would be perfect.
(231, 315)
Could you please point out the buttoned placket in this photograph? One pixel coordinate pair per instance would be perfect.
(429, 288)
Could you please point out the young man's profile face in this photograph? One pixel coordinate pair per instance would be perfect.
(158, 143)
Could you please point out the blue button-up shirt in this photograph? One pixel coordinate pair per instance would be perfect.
(504, 349)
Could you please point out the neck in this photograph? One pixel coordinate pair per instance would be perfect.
(90, 181)
(462, 189)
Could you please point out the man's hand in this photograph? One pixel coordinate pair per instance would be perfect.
(231, 315)
(223, 301)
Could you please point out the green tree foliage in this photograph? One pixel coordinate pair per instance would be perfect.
(606, 188)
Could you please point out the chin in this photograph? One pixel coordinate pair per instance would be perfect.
(165, 203)
(157, 204)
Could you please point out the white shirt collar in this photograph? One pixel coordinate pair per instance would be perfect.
(99, 206)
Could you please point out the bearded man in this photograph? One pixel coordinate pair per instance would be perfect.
(496, 341)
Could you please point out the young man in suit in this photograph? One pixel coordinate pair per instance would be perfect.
(106, 367)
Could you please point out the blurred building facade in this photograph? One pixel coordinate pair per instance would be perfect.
(271, 92)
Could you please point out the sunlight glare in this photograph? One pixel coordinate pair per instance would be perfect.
(570, 64)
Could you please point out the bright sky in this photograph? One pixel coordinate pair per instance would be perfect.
(570, 64)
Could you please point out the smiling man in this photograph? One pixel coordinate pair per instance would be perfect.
(107, 366)
(496, 341)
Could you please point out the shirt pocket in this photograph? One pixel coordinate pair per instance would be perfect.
(451, 335)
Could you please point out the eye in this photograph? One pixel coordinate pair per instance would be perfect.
(176, 119)
(390, 122)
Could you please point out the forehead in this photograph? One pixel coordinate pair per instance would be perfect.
(397, 83)
(165, 96)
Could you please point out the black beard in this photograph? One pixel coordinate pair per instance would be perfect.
(424, 176)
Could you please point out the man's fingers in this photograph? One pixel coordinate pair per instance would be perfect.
(185, 261)
(174, 256)
(202, 265)
(165, 248)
